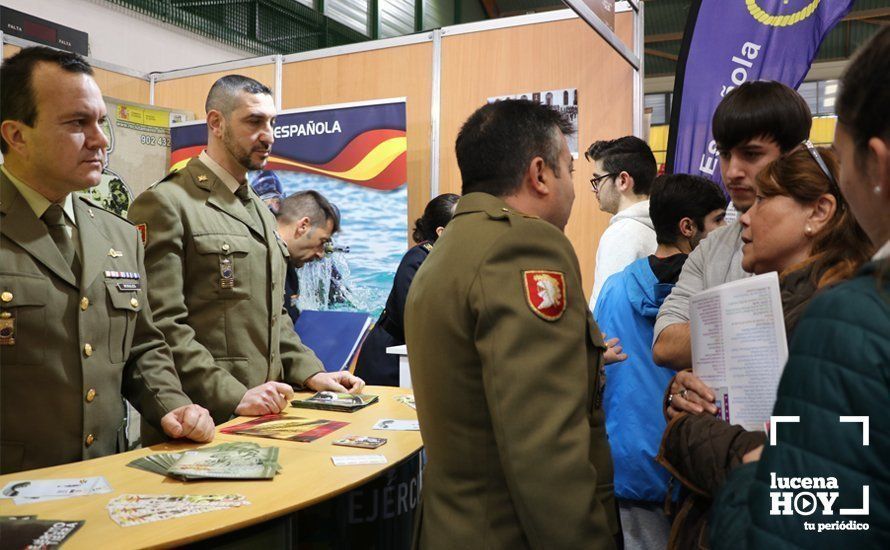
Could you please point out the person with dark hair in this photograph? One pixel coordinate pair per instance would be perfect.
(753, 125)
(306, 223)
(801, 228)
(267, 185)
(504, 352)
(72, 340)
(839, 359)
(216, 267)
(684, 209)
(374, 365)
(622, 175)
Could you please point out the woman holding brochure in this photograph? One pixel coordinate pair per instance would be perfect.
(836, 379)
(801, 227)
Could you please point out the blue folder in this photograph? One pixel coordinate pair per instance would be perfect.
(334, 336)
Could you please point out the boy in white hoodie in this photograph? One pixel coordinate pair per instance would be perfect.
(622, 176)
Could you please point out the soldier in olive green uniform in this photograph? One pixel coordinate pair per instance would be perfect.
(75, 327)
(217, 268)
(506, 361)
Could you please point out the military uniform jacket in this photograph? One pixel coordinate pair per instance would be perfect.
(508, 390)
(227, 334)
(71, 345)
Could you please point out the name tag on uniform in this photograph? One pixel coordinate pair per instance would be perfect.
(129, 286)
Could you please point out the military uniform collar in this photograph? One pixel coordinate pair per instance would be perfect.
(494, 206)
(221, 173)
(38, 203)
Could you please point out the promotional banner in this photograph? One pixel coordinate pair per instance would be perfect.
(138, 152)
(728, 42)
(356, 156)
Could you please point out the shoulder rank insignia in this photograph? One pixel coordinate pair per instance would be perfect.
(545, 293)
(202, 178)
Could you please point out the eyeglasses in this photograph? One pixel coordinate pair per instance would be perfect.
(833, 186)
(596, 181)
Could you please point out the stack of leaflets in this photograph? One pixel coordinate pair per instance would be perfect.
(129, 510)
(227, 461)
(331, 401)
(30, 532)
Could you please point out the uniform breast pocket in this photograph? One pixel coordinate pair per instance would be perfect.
(123, 308)
(23, 301)
(222, 269)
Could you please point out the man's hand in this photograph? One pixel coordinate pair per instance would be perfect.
(690, 394)
(340, 382)
(268, 398)
(613, 353)
(189, 422)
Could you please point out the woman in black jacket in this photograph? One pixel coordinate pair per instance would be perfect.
(375, 366)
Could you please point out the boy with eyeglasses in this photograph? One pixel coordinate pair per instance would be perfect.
(623, 170)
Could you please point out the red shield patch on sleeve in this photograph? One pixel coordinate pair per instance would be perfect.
(545, 292)
(143, 232)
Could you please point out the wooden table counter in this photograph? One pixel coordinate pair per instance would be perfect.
(308, 476)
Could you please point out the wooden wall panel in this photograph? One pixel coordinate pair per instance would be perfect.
(10, 50)
(121, 86)
(561, 54)
(403, 71)
(116, 85)
(189, 93)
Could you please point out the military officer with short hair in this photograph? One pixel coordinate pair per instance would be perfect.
(75, 327)
(506, 361)
(217, 268)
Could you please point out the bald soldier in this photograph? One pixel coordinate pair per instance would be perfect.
(506, 361)
(75, 328)
(217, 267)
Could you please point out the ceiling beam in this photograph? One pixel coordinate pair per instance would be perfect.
(867, 14)
(666, 37)
(659, 53)
(491, 8)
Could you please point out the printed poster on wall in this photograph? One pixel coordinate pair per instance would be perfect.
(138, 152)
(355, 155)
(565, 101)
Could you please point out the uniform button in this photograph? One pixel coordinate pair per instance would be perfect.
(134, 302)
(225, 247)
(6, 296)
(89, 440)
(505, 209)
(91, 395)
(84, 303)
(87, 350)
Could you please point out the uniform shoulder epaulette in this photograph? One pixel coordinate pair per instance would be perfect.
(427, 246)
(167, 177)
(93, 204)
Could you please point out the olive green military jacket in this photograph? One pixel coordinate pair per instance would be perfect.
(70, 345)
(228, 334)
(508, 390)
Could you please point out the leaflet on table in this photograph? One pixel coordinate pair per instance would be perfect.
(739, 346)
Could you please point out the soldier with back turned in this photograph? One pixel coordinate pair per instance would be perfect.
(506, 361)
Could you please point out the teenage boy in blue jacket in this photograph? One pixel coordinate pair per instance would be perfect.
(683, 209)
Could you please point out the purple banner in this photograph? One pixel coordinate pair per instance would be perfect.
(728, 42)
